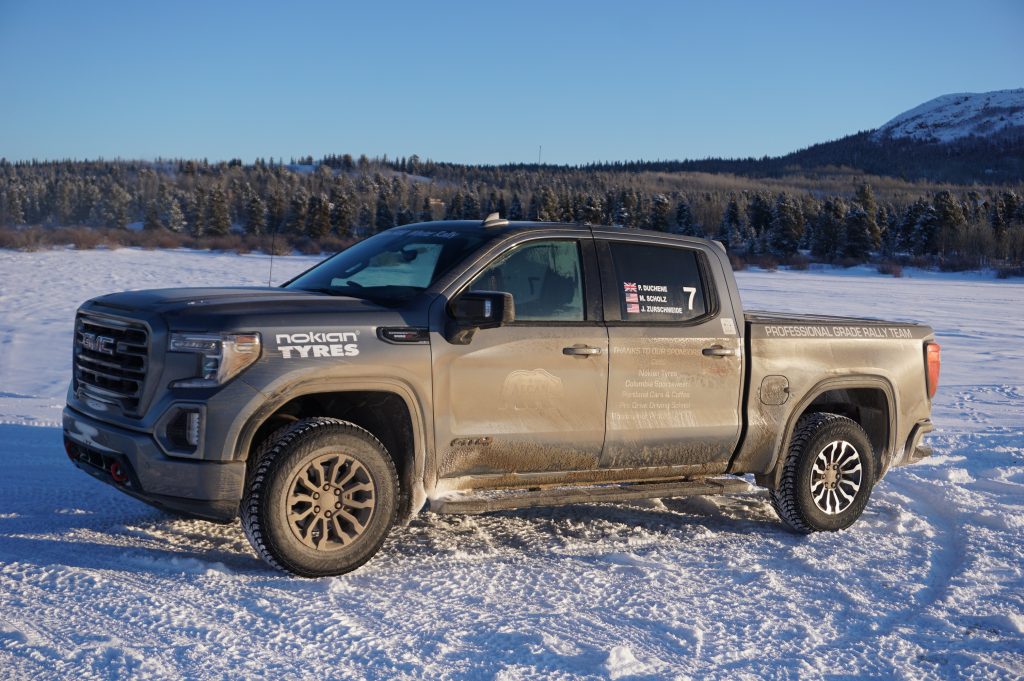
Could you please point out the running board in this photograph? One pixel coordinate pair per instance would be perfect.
(505, 500)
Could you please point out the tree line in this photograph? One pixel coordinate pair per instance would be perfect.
(841, 216)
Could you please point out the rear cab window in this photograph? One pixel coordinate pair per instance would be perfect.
(658, 283)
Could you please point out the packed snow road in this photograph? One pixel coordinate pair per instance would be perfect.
(928, 584)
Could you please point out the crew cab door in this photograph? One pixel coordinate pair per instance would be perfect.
(675, 373)
(527, 397)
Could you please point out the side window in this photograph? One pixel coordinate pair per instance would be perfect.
(544, 278)
(657, 283)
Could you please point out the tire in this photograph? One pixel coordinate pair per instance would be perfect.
(314, 461)
(827, 475)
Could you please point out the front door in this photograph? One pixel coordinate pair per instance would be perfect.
(528, 397)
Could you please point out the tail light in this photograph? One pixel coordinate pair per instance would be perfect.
(933, 363)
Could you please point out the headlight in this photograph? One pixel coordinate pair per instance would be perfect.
(224, 355)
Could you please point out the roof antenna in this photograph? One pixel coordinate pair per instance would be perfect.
(273, 239)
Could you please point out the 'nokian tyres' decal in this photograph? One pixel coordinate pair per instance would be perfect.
(306, 344)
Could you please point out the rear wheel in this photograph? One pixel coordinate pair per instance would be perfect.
(322, 499)
(827, 475)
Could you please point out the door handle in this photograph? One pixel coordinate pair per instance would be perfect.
(719, 351)
(581, 351)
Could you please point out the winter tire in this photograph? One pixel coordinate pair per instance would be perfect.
(827, 475)
(322, 499)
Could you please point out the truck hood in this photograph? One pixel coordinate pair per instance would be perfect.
(226, 308)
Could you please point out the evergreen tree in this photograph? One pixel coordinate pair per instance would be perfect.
(470, 207)
(828, 240)
(731, 231)
(255, 215)
(786, 228)
(385, 218)
(152, 220)
(951, 222)
(759, 214)
(926, 230)
(858, 234)
(865, 198)
(318, 224)
(908, 225)
(515, 209)
(342, 212)
(684, 220)
(548, 209)
(298, 214)
(661, 209)
(426, 211)
(454, 211)
(220, 221)
(176, 221)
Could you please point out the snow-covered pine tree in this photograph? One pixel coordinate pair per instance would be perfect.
(255, 215)
(220, 220)
(858, 234)
(732, 232)
(176, 221)
(786, 227)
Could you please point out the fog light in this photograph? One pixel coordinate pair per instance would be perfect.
(192, 428)
(184, 430)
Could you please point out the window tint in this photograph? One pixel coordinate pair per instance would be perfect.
(657, 283)
(544, 279)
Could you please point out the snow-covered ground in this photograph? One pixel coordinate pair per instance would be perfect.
(929, 584)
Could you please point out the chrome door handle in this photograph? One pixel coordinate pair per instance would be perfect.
(719, 351)
(581, 351)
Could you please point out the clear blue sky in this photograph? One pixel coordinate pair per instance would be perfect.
(482, 81)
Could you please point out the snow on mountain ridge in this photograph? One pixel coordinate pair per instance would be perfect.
(952, 117)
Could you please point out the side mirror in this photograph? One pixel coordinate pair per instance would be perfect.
(475, 310)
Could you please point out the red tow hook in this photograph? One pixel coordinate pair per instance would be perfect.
(70, 448)
(117, 473)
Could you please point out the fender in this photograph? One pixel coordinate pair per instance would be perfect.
(245, 426)
(820, 388)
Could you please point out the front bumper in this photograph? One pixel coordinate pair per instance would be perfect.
(134, 463)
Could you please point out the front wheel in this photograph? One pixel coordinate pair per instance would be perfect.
(322, 499)
(827, 475)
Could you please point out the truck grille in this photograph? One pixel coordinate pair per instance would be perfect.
(110, 359)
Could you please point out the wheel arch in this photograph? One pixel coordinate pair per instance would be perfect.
(869, 400)
(373, 404)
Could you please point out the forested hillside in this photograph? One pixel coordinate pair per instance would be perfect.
(838, 214)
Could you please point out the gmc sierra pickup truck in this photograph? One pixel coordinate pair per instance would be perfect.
(479, 366)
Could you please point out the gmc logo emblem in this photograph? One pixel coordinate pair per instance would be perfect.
(104, 344)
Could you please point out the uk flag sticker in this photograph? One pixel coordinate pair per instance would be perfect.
(629, 286)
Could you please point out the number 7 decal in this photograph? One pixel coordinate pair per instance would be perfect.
(690, 291)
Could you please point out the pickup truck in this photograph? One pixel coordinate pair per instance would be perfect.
(468, 367)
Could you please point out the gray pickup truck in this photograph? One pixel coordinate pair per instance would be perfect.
(471, 367)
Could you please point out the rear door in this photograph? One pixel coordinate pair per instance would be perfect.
(675, 365)
(528, 397)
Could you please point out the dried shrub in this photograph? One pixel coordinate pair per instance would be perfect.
(890, 267)
(1007, 271)
(798, 262)
(737, 262)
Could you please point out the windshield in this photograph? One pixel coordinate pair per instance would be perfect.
(391, 266)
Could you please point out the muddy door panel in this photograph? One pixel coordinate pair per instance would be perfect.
(518, 404)
(529, 396)
(675, 361)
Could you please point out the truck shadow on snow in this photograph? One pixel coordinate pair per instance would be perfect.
(52, 514)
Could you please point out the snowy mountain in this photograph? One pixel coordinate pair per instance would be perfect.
(953, 117)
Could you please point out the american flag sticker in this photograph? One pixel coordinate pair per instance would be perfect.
(632, 298)
(632, 308)
(629, 286)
